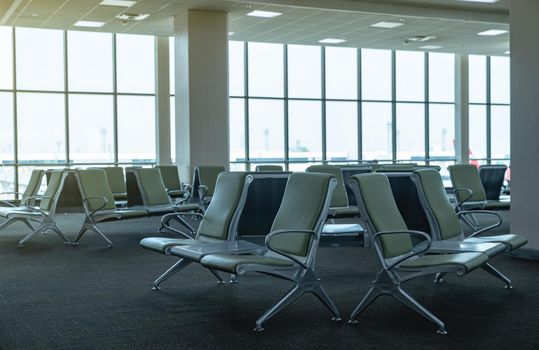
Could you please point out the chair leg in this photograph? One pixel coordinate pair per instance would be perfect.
(289, 297)
(321, 294)
(171, 271)
(83, 229)
(27, 223)
(31, 235)
(59, 233)
(407, 300)
(439, 278)
(9, 222)
(218, 275)
(371, 296)
(493, 271)
(100, 233)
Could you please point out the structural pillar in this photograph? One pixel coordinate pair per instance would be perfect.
(462, 135)
(162, 101)
(201, 68)
(525, 123)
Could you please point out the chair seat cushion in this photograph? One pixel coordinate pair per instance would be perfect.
(120, 196)
(468, 261)
(188, 207)
(198, 251)
(107, 215)
(230, 263)
(163, 245)
(512, 241)
(9, 211)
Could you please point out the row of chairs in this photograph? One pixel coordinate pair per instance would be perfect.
(290, 247)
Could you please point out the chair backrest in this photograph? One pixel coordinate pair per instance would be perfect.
(269, 168)
(387, 168)
(305, 205)
(379, 212)
(54, 189)
(340, 198)
(492, 177)
(221, 218)
(94, 183)
(206, 175)
(34, 184)
(443, 221)
(170, 176)
(466, 176)
(116, 179)
(151, 187)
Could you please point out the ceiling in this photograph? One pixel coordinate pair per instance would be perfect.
(454, 23)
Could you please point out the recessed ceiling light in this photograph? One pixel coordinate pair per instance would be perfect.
(230, 33)
(119, 3)
(331, 41)
(418, 39)
(132, 16)
(431, 47)
(387, 25)
(485, 1)
(492, 32)
(507, 52)
(265, 14)
(89, 24)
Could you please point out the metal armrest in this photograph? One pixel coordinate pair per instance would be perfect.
(376, 241)
(87, 199)
(186, 186)
(467, 190)
(269, 237)
(176, 216)
(8, 203)
(202, 191)
(463, 213)
(34, 209)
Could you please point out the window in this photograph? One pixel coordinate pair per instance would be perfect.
(236, 68)
(237, 129)
(377, 131)
(7, 148)
(410, 131)
(304, 71)
(410, 78)
(342, 131)
(341, 73)
(305, 130)
(135, 63)
(266, 130)
(441, 77)
(40, 59)
(266, 70)
(6, 58)
(478, 131)
(376, 74)
(136, 128)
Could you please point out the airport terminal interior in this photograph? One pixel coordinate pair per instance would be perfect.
(269, 174)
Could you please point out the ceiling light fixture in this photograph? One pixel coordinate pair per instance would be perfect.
(89, 24)
(492, 32)
(331, 41)
(264, 14)
(386, 25)
(132, 16)
(430, 47)
(507, 52)
(483, 1)
(418, 39)
(230, 33)
(118, 3)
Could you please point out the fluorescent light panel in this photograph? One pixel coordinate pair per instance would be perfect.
(331, 41)
(264, 14)
(483, 1)
(119, 3)
(492, 32)
(386, 25)
(89, 24)
(430, 47)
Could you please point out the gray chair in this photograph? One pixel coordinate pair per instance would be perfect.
(217, 230)
(492, 177)
(116, 179)
(269, 168)
(31, 190)
(171, 180)
(401, 260)
(340, 207)
(98, 203)
(204, 179)
(447, 231)
(44, 214)
(291, 245)
(469, 190)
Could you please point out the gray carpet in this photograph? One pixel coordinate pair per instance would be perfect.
(91, 297)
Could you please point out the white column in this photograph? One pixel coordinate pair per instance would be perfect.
(201, 66)
(162, 101)
(525, 122)
(462, 136)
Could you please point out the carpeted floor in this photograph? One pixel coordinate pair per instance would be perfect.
(91, 297)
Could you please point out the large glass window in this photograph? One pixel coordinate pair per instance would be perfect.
(304, 71)
(500, 132)
(237, 129)
(89, 61)
(305, 130)
(40, 59)
(266, 130)
(441, 77)
(478, 131)
(136, 128)
(477, 66)
(377, 131)
(410, 131)
(135, 63)
(236, 68)
(7, 149)
(500, 84)
(91, 128)
(40, 127)
(341, 131)
(341, 73)
(442, 131)
(266, 70)
(376, 74)
(410, 78)
(6, 58)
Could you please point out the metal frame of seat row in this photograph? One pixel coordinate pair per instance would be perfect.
(98, 203)
(291, 246)
(217, 231)
(447, 232)
(401, 260)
